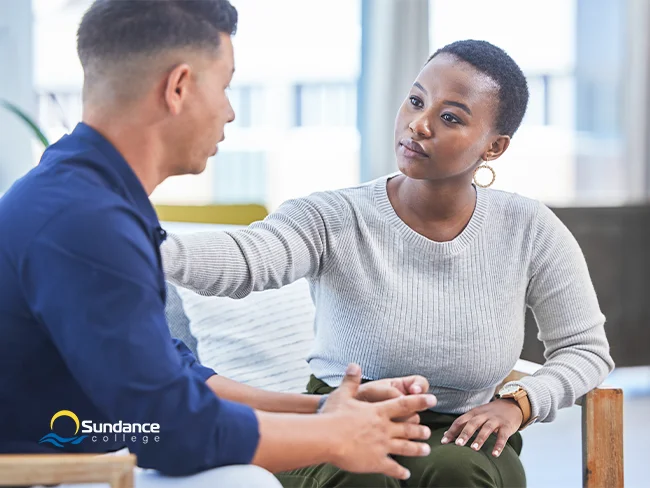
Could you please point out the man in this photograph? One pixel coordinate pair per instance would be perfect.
(82, 305)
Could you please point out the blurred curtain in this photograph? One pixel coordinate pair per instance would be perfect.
(17, 87)
(601, 172)
(395, 46)
(636, 117)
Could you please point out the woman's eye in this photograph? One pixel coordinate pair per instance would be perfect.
(415, 101)
(450, 118)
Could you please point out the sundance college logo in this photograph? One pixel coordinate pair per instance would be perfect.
(118, 432)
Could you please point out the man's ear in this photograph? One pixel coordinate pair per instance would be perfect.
(177, 87)
(497, 148)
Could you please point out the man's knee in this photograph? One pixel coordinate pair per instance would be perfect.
(454, 466)
(241, 476)
(246, 476)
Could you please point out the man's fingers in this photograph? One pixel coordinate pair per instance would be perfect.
(502, 437)
(411, 431)
(417, 384)
(402, 447)
(407, 405)
(413, 419)
(389, 392)
(391, 468)
(483, 435)
(351, 381)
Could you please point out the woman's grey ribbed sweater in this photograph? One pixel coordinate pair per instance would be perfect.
(398, 303)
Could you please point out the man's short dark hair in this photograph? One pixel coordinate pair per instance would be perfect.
(112, 30)
(500, 67)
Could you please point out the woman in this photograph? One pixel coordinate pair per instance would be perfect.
(425, 272)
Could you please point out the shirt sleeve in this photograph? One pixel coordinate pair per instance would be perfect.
(571, 324)
(96, 286)
(292, 243)
(188, 358)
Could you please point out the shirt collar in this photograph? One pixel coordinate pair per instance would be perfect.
(131, 187)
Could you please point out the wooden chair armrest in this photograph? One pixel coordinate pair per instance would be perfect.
(602, 438)
(54, 469)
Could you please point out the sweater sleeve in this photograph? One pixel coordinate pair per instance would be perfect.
(571, 325)
(292, 243)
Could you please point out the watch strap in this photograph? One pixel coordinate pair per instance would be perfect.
(521, 398)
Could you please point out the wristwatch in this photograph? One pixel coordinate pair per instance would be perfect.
(519, 395)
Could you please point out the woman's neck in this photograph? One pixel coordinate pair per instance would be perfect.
(439, 212)
(432, 202)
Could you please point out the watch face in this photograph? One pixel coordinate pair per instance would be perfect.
(509, 390)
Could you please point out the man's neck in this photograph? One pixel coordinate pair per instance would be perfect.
(137, 145)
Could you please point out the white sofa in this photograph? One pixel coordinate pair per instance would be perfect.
(262, 340)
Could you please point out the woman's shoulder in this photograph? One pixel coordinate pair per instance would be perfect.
(541, 219)
(334, 205)
(511, 200)
(514, 206)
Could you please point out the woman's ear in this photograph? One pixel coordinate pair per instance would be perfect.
(497, 148)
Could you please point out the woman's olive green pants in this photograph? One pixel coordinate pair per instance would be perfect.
(446, 466)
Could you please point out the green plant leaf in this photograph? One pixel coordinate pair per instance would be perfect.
(38, 133)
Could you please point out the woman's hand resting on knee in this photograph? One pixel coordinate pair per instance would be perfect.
(501, 416)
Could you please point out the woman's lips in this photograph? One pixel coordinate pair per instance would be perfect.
(412, 149)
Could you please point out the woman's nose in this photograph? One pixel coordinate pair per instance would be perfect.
(421, 126)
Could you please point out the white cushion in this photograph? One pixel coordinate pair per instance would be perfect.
(262, 340)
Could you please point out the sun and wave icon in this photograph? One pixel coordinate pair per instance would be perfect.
(55, 439)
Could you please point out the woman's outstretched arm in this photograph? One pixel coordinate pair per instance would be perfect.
(292, 243)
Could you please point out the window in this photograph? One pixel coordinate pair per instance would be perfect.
(59, 111)
(326, 104)
(240, 177)
(293, 93)
(248, 104)
(570, 147)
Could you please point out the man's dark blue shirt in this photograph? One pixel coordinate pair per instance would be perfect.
(82, 323)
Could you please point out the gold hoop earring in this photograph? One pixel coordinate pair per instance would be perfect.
(489, 168)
